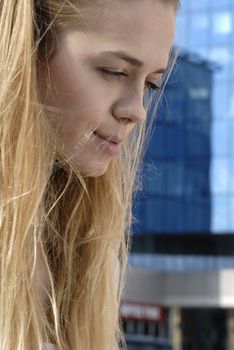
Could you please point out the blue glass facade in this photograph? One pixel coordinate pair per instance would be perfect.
(207, 28)
(189, 166)
(176, 198)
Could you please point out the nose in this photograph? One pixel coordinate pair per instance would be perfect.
(130, 109)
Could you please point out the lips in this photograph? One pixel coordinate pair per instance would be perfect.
(111, 145)
(110, 138)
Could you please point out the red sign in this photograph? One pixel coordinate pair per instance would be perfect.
(141, 312)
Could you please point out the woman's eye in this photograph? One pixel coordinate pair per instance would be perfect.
(114, 74)
(152, 86)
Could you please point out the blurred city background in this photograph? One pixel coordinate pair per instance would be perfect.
(180, 283)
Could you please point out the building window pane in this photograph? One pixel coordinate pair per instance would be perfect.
(220, 214)
(220, 175)
(199, 25)
(220, 144)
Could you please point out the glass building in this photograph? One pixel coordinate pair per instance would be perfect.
(177, 196)
(207, 28)
(183, 246)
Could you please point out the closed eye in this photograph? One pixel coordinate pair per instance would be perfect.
(155, 87)
(119, 74)
(114, 73)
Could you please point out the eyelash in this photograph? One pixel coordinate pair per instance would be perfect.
(118, 75)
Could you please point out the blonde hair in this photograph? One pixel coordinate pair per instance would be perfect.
(48, 208)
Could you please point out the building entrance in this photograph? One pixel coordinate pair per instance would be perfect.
(204, 329)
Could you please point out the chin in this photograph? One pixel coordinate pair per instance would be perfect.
(94, 170)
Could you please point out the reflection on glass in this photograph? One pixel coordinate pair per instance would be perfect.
(222, 23)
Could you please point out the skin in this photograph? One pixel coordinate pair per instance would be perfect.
(84, 97)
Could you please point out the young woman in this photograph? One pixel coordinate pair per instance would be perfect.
(74, 79)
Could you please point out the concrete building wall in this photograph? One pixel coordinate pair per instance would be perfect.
(182, 289)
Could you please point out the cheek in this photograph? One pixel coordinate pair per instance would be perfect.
(78, 103)
(68, 89)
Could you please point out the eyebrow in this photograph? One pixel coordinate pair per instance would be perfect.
(130, 59)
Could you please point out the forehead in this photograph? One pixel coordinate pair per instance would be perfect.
(144, 27)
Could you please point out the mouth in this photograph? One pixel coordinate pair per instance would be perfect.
(108, 144)
(109, 138)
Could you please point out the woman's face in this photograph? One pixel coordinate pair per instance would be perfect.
(100, 73)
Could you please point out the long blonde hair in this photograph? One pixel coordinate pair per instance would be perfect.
(47, 206)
